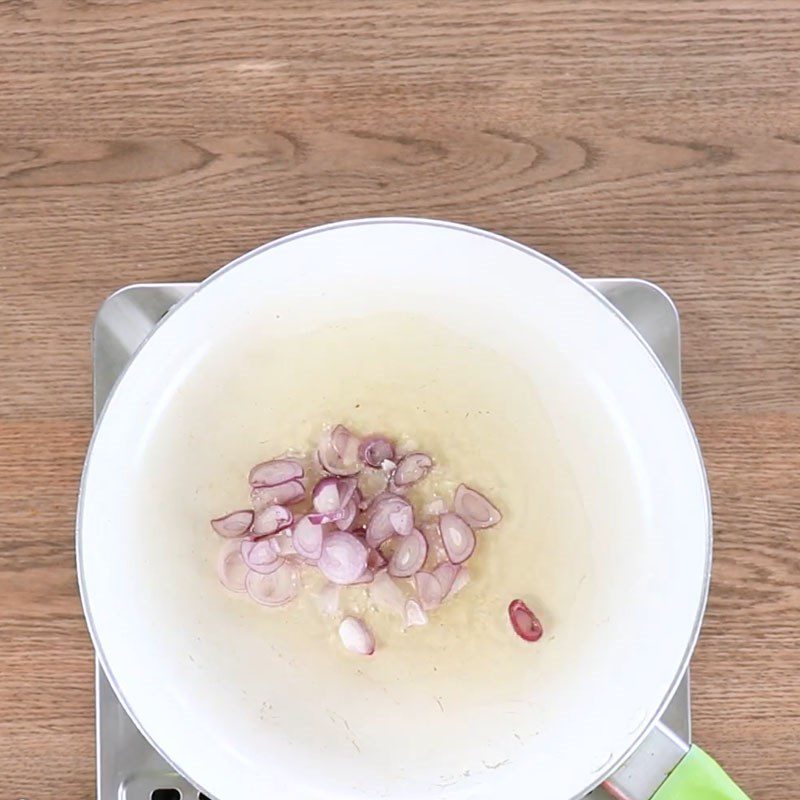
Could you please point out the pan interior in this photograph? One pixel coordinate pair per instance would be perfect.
(520, 382)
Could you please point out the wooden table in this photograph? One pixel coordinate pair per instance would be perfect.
(156, 141)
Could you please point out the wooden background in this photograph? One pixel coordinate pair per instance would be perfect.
(155, 141)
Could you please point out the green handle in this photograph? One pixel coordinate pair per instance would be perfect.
(698, 777)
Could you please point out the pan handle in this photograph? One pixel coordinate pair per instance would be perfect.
(667, 767)
(698, 777)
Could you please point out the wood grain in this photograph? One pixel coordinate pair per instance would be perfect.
(157, 140)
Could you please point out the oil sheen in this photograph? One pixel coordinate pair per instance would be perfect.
(479, 416)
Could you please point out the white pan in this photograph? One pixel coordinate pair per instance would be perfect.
(607, 527)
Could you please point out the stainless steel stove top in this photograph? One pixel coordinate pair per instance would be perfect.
(128, 767)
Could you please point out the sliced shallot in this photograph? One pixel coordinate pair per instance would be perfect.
(307, 539)
(237, 523)
(429, 590)
(275, 472)
(374, 505)
(458, 538)
(412, 468)
(331, 498)
(284, 494)
(325, 496)
(338, 452)
(276, 589)
(345, 443)
(414, 613)
(261, 556)
(367, 576)
(331, 516)
(381, 526)
(231, 568)
(271, 519)
(350, 511)
(436, 551)
(374, 450)
(446, 574)
(375, 559)
(402, 520)
(445, 581)
(356, 535)
(410, 555)
(524, 621)
(343, 559)
(474, 508)
(282, 543)
(356, 636)
(462, 579)
(347, 490)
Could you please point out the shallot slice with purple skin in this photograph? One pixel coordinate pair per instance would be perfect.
(462, 579)
(282, 543)
(410, 555)
(474, 508)
(387, 548)
(307, 539)
(414, 613)
(446, 574)
(268, 569)
(346, 515)
(326, 496)
(347, 490)
(429, 590)
(331, 498)
(412, 468)
(356, 636)
(237, 523)
(351, 509)
(275, 472)
(275, 589)
(231, 568)
(261, 556)
(271, 519)
(376, 502)
(436, 551)
(284, 494)
(343, 559)
(458, 538)
(367, 576)
(375, 449)
(345, 443)
(331, 516)
(402, 520)
(380, 526)
(338, 452)
(375, 559)
(379, 529)
(524, 621)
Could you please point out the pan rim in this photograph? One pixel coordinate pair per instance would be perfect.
(613, 765)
